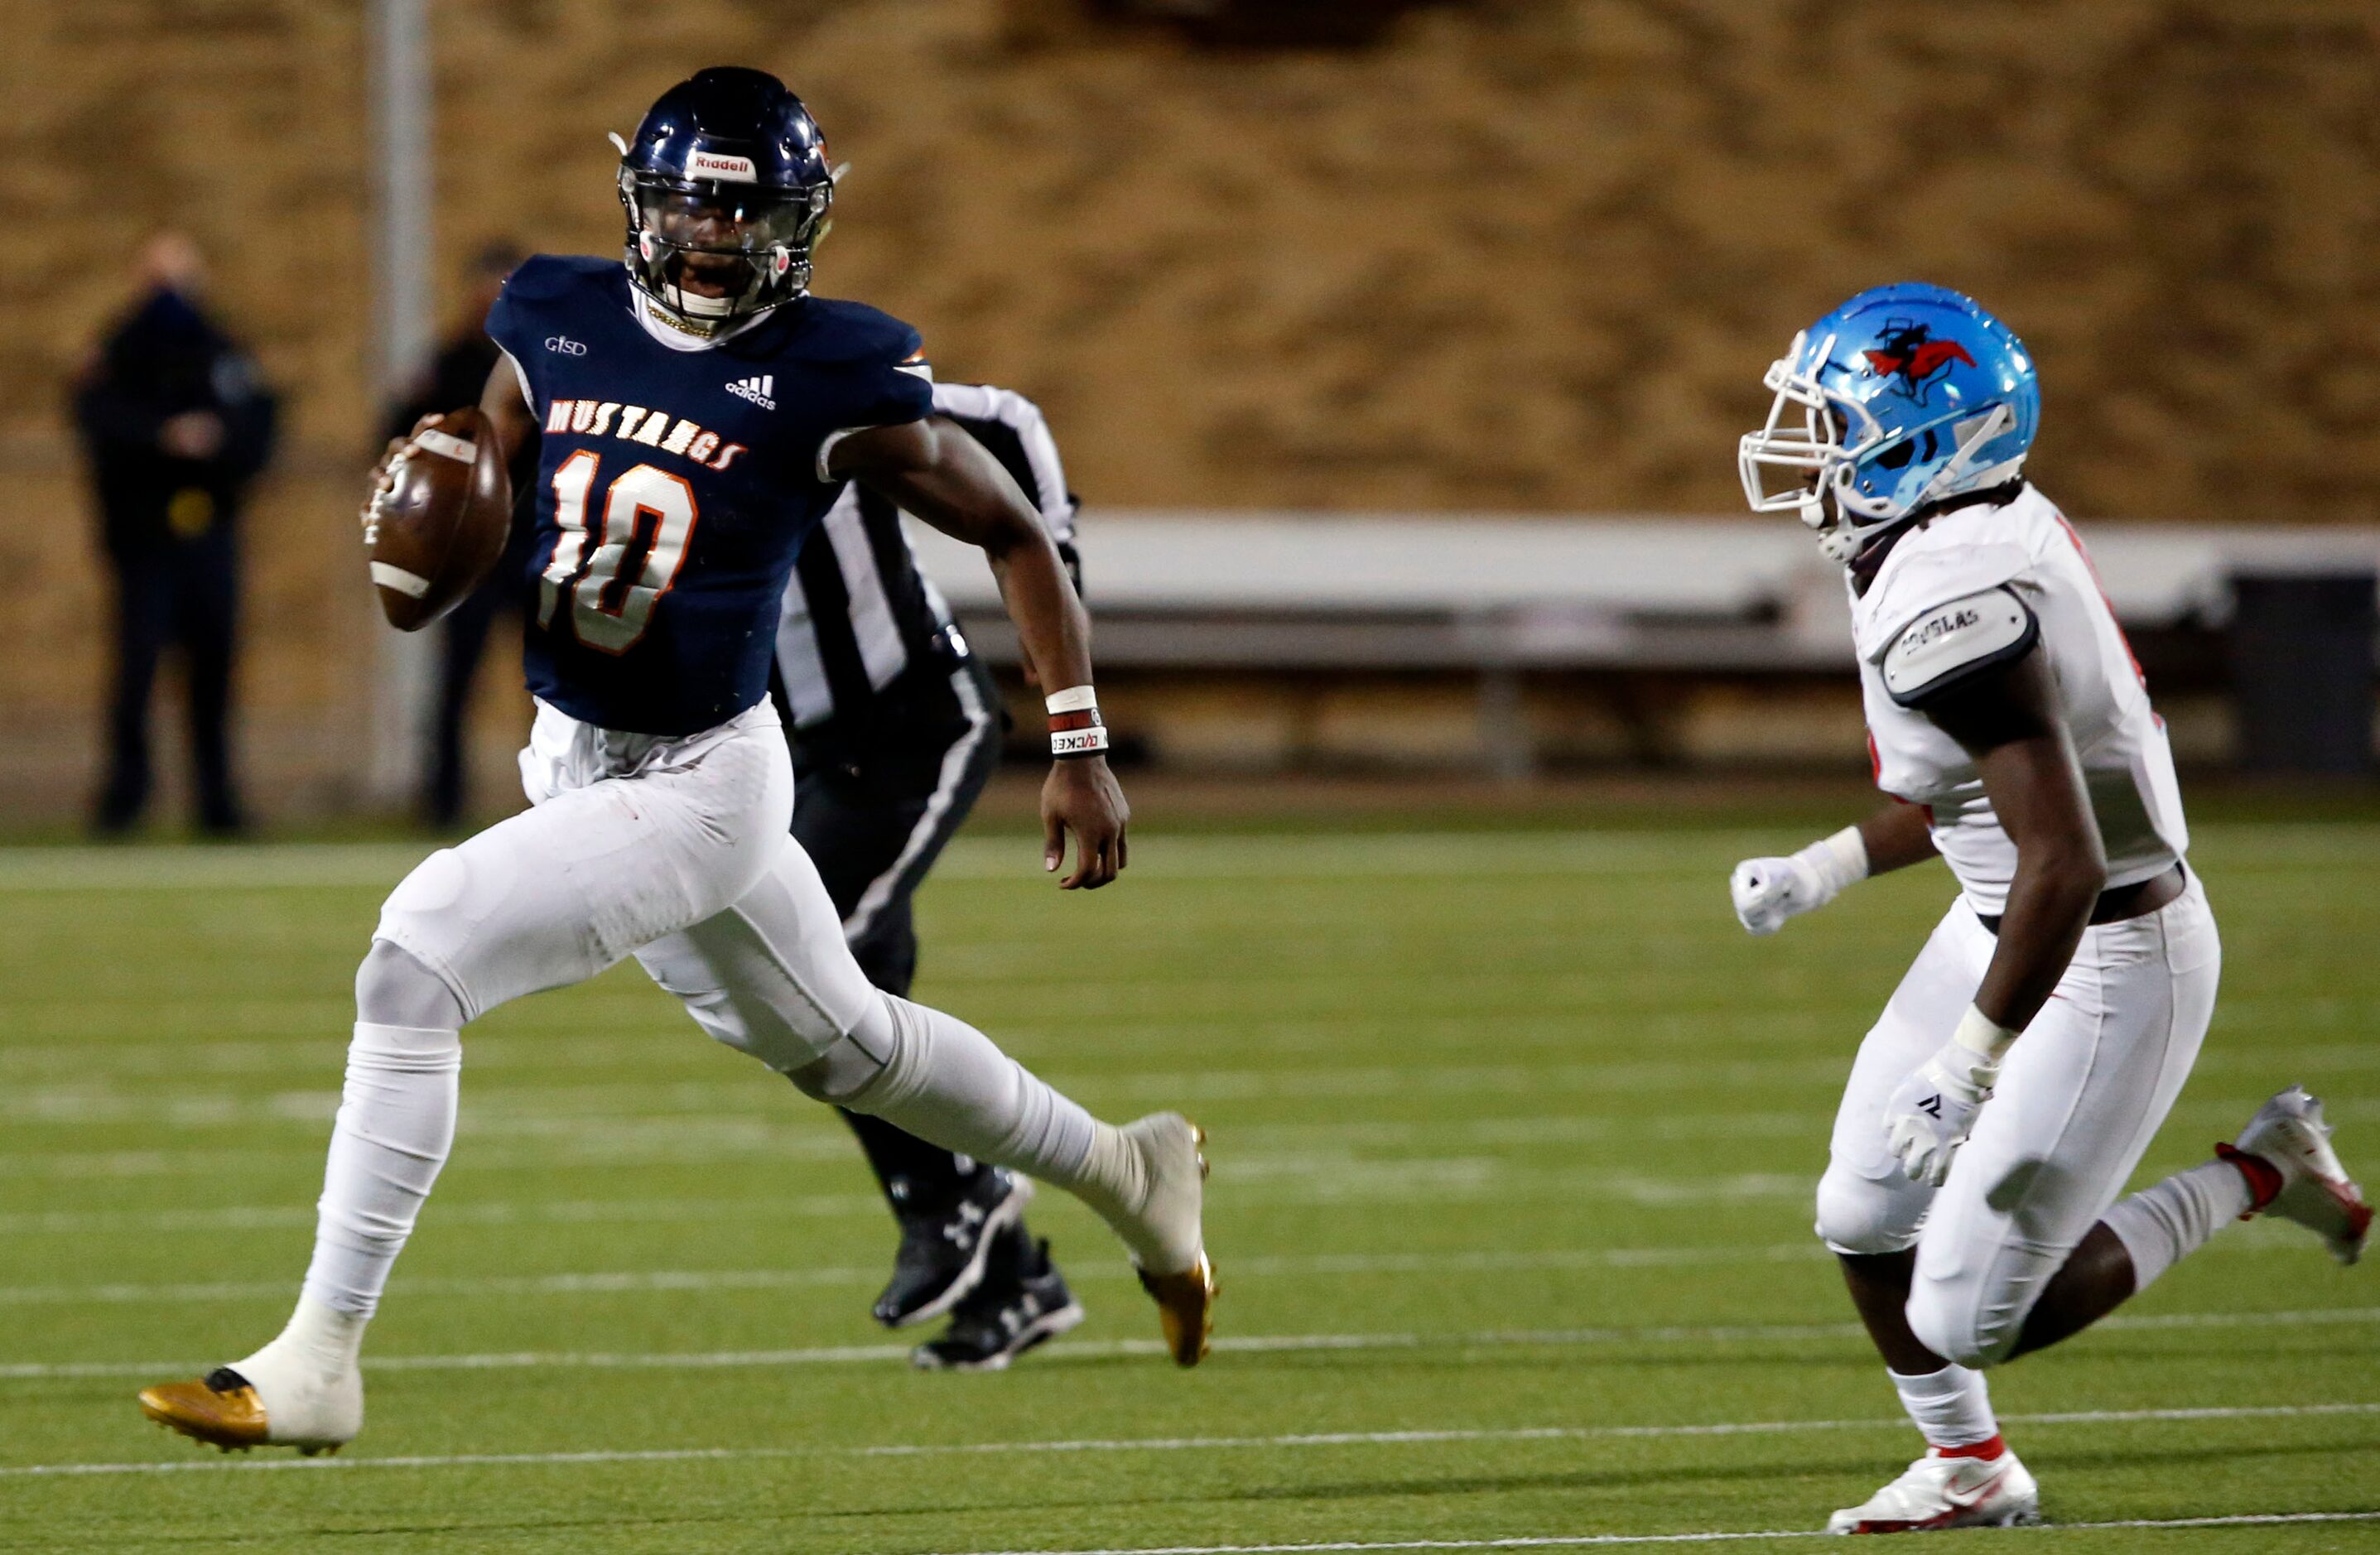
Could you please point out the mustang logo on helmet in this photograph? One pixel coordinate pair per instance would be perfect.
(1909, 352)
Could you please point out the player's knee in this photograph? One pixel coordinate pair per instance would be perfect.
(840, 1076)
(1860, 1215)
(855, 1071)
(393, 987)
(1957, 1320)
(421, 940)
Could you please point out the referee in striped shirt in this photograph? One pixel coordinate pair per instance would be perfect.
(896, 727)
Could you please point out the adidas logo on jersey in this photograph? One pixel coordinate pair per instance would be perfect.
(756, 390)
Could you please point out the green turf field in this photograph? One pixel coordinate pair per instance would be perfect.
(1513, 1137)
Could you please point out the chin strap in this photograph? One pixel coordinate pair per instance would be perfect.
(678, 318)
(1838, 541)
(657, 315)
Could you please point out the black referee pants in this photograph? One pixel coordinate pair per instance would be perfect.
(174, 593)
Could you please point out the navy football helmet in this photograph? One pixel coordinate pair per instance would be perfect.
(727, 184)
(1903, 396)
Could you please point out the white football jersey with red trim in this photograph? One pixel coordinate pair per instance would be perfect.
(1977, 586)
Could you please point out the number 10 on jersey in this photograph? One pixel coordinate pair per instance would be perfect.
(647, 520)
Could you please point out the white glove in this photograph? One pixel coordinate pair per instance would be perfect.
(1933, 1111)
(1770, 891)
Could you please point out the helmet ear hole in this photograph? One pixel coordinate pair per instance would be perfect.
(1896, 455)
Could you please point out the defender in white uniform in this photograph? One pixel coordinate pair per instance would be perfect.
(2020, 1069)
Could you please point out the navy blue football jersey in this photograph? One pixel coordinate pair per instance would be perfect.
(675, 487)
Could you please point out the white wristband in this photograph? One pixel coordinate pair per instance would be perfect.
(1075, 728)
(1982, 1036)
(1837, 861)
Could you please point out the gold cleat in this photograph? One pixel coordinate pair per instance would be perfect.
(229, 1418)
(221, 1410)
(1185, 1309)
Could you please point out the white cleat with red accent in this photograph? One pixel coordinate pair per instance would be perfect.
(1939, 1492)
(2315, 1193)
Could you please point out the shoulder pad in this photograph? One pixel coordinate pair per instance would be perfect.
(985, 402)
(1927, 568)
(854, 334)
(541, 276)
(1951, 642)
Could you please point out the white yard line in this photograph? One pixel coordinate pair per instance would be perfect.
(607, 1283)
(1087, 1350)
(1323, 856)
(270, 1217)
(743, 1103)
(1250, 1179)
(1177, 1444)
(521, 1112)
(1582, 1542)
(736, 1088)
(260, 867)
(1100, 1271)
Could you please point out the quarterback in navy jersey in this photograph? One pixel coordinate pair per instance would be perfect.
(678, 479)
(699, 413)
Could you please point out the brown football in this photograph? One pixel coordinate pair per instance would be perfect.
(436, 532)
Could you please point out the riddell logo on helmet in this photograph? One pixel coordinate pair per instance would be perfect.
(1908, 352)
(710, 164)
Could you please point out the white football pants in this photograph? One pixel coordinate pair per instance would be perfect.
(674, 849)
(2079, 1098)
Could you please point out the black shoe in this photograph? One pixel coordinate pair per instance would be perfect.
(226, 826)
(943, 1250)
(114, 818)
(1022, 1303)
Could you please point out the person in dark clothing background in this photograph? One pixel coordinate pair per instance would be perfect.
(176, 423)
(453, 377)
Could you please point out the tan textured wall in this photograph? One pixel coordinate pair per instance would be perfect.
(1525, 254)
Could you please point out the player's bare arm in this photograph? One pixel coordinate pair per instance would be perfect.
(1896, 837)
(2008, 721)
(934, 471)
(2006, 718)
(502, 403)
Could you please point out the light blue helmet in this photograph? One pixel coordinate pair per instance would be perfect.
(1907, 394)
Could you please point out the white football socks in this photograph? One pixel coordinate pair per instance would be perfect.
(395, 1124)
(1114, 1181)
(948, 1084)
(1951, 1407)
(2167, 1222)
(945, 1082)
